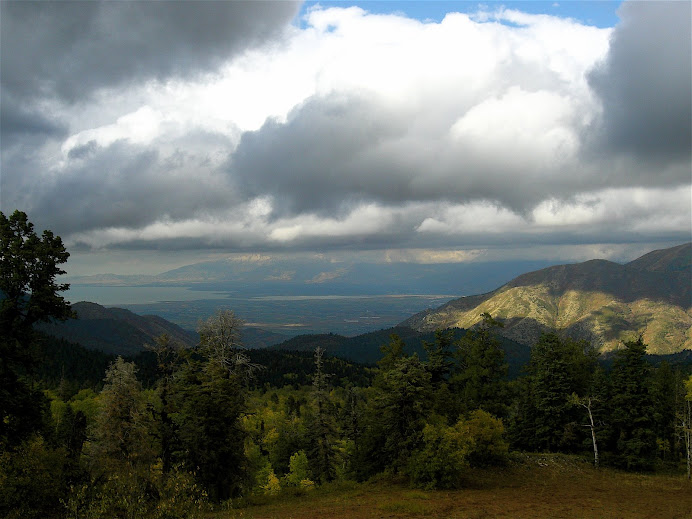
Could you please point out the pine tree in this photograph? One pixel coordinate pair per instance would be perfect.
(551, 387)
(664, 390)
(167, 358)
(29, 294)
(392, 352)
(211, 402)
(210, 394)
(322, 430)
(121, 432)
(439, 353)
(558, 369)
(396, 415)
(481, 382)
(632, 409)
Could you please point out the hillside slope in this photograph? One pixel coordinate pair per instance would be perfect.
(598, 300)
(115, 330)
(365, 348)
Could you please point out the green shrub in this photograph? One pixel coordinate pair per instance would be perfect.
(448, 451)
(485, 434)
(33, 478)
(298, 470)
(146, 493)
(442, 459)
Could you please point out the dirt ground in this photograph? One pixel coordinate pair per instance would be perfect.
(536, 487)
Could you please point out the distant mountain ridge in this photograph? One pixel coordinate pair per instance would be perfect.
(673, 259)
(597, 300)
(115, 330)
(121, 332)
(365, 348)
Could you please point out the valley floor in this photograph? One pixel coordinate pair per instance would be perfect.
(538, 486)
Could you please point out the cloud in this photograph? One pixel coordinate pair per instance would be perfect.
(68, 67)
(434, 256)
(314, 161)
(250, 258)
(645, 82)
(21, 122)
(286, 275)
(357, 132)
(126, 184)
(323, 277)
(69, 49)
(599, 215)
(403, 112)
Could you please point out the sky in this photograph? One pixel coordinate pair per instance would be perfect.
(150, 135)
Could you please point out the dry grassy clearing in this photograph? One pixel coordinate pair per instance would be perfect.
(537, 487)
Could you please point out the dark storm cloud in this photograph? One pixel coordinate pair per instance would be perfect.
(16, 121)
(69, 49)
(81, 152)
(65, 52)
(122, 185)
(335, 152)
(22, 124)
(315, 161)
(645, 83)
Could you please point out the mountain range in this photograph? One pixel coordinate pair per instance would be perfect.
(598, 300)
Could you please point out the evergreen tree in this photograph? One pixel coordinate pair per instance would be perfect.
(210, 395)
(523, 414)
(440, 364)
(121, 432)
(558, 369)
(29, 265)
(439, 353)
(395, 416)
(211, 403)
(29, 293)
(481, 382)
(71, 432)
(321, 427)
(392, 352)
(168, 358)
(551, 388)
(665, 386)
(631, 415)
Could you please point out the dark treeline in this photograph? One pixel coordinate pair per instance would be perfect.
(365, 348)
(69, 367)
(183, 429)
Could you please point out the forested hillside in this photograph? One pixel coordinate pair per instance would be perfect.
(366, 348)
(115, 330)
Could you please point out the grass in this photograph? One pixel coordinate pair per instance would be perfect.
(532, 486)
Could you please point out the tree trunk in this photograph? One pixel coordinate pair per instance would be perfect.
(687, 432)
(593, 435)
